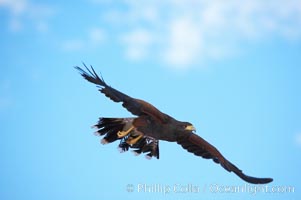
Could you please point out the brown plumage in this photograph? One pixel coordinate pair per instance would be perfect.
(142, 133)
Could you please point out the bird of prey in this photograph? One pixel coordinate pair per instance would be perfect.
(143, 132)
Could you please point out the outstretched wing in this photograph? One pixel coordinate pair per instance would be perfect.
(135, 106)
(200, 147)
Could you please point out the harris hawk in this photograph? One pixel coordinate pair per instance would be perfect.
(142, 133)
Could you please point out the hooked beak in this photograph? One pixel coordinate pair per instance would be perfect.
(190, 128)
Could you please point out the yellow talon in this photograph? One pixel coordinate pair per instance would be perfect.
(121, 134)
(132, 141)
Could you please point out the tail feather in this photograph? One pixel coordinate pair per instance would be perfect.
(147, 145)
(109, 128)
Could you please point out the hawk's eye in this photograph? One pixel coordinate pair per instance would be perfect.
(183, 126)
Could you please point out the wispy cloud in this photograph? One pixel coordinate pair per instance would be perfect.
(181, 33)
(184, 44)
(24, 12)
(73, 45)
(138, 43)
(93, 39)
(96, 35)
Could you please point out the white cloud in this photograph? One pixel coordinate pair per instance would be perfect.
(184, 44)
(16, 7)
(24, 12)
(188, 32)
(137, 43)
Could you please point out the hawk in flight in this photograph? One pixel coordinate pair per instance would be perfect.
(143, 132)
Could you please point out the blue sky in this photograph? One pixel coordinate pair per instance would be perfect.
(231, 69)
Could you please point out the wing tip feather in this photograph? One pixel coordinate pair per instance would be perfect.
(91, 76)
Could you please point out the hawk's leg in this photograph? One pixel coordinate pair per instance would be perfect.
(132, 141)
(121, 134)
